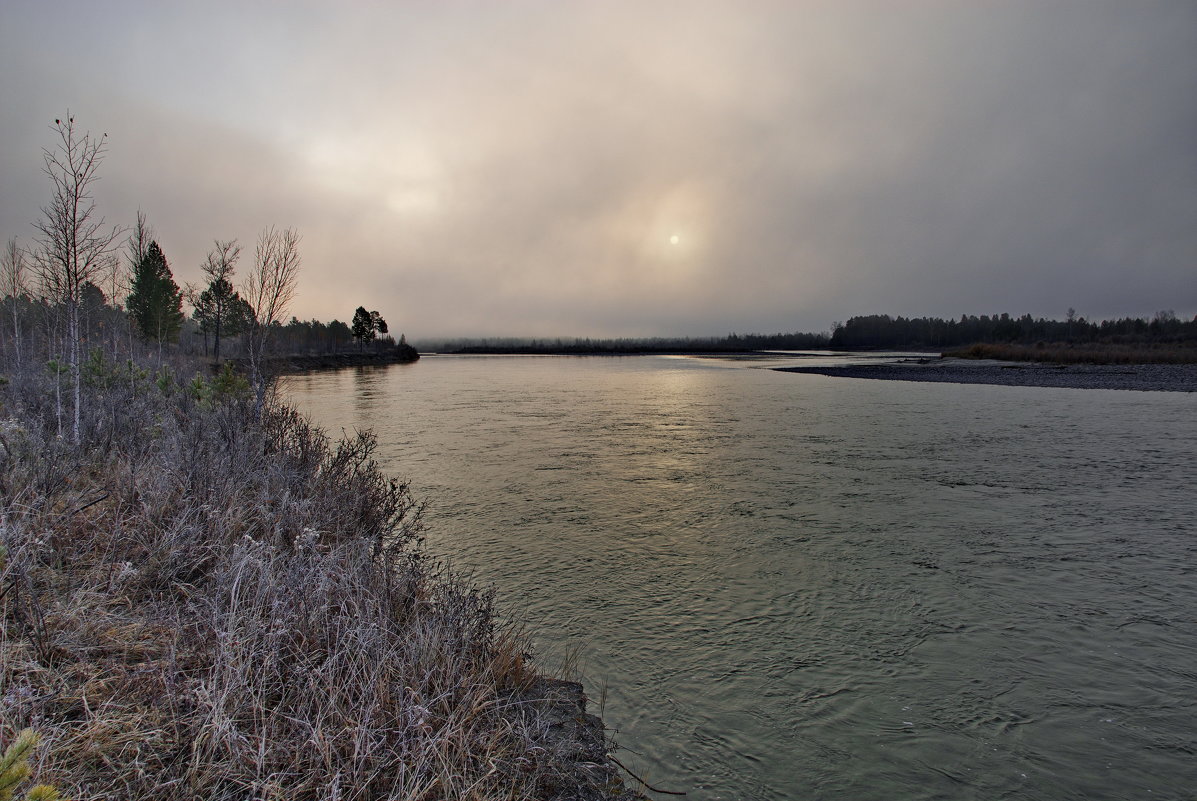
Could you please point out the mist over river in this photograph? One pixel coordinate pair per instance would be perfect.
(800, 587)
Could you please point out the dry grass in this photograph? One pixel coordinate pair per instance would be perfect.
(198, 604)
(1068, 353)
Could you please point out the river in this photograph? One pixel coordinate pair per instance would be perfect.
(784, 586)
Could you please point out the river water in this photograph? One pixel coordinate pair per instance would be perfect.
(783, 586)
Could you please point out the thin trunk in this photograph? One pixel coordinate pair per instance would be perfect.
(16, 331)
(132, 380)
(58, 398)
(58, 375)
(73, 326)
(216, 340)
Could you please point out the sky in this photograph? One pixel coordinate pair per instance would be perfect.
(637, 167)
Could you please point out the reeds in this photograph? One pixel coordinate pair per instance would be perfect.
(201, 603)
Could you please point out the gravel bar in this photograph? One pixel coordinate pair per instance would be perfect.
(1142, 377)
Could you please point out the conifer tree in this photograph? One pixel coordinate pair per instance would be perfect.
(155, 302)
(363, 326)
(219, 309)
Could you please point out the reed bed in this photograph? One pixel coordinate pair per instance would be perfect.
(207, 601)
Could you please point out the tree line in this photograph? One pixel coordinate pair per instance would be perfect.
(883, 331)
(875, 331)
(732, 343)
(61, 297)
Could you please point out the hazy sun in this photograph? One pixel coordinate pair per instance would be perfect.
(673, 240)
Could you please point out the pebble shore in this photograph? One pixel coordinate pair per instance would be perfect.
(1142, 377)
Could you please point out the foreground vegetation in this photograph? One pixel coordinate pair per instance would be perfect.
(204, 600)
(202, 596)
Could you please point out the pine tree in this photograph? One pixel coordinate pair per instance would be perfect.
(154, 296)
(221, 311)
(15, 768)
(363, 326)
(155, 302)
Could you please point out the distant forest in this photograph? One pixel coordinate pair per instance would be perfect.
(933, 333)
(732, 343)
(870, 332)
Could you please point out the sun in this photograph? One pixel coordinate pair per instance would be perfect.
(673, 240)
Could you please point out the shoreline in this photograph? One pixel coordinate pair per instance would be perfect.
(235, 586)
(333, 361)
(1135, 377)
(302, 362)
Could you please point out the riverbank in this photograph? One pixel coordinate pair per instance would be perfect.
(1141, 377)
(1082, 353)
(203, 602)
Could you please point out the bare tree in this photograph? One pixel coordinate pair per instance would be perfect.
(12, 285)
(269, 289)
(136, 248)
(75, 245)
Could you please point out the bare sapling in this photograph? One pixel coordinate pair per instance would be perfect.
(12, 285)
(121, 278)
(75, 244)
(269, 289)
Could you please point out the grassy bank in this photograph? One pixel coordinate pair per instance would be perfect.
(1068, 353)
(203, 603)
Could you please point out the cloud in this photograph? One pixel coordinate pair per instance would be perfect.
(519, 168)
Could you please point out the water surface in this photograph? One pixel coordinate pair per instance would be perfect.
(796, 587)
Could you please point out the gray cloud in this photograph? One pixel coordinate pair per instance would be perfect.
(476, 168)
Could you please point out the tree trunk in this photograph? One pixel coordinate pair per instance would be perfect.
(16, 329)
(73, 327)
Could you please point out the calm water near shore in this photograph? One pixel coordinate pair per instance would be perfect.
(799, 587)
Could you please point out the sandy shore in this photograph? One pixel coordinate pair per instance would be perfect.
(1143, 377)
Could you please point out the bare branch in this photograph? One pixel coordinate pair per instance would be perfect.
(136, 248)
(12, 270)
(269, 289)
(222, 260)
(270, 286)
(13, 288)
(138, 244)
(75, 245)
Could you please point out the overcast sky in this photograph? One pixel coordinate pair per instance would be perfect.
(638, 168)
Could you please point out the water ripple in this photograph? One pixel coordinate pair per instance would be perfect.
(797, 587)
